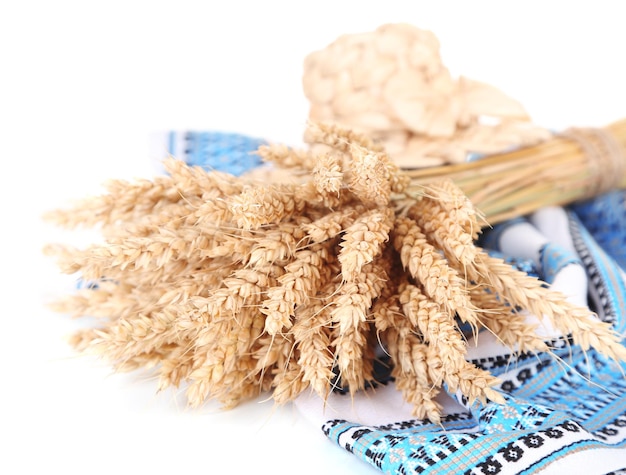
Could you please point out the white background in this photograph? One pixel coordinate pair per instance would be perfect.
(82, 87)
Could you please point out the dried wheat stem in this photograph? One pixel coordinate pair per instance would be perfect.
(275, 244)
(443, 230)
(416, 386)
(338, 138)
(288, 384)
(125, 338)
(440, 281)
(445, 341)
(350, 306)
(194, 240)
(312, 333)
(259, 205)
(521, 290)
(369, 179)
(364, 150)
(118, 258)
(455, 203)
(137, 294)
(327, 178)
(171, 216)
(196, 181)
(146, 360)
(245, 287)
(507, 324)
(276, 365)
(407, 351)
(272, 352)
(215, 212)
(236, 388)
(436, 325)
(287, 157)
(107, 300)
(353, 299)
(177, 366)
(69, 259)
(217, 358)
(303, 276)
(363, 241)
(124, 201)
(333, 223)
(351, 356)
(231, 245)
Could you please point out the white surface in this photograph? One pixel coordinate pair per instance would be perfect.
(81, 89)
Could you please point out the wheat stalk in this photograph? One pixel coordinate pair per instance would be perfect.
(234, 287)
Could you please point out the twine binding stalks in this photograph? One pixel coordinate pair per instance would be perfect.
(234, 288)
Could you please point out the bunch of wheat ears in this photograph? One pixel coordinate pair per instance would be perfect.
(235, 288)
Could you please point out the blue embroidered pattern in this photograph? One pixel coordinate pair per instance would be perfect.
(567, 414)
(605, 219)
(227, 152)
(608, 284)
